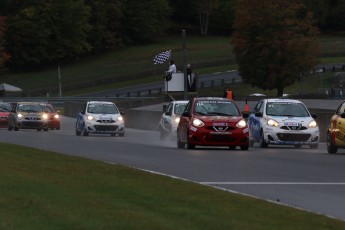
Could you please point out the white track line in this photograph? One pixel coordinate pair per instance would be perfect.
(273, 183)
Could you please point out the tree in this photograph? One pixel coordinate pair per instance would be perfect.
(46, 32)
(3, 55)
(145, 20)
(275, 42)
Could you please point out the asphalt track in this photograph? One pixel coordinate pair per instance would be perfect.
(310, 179)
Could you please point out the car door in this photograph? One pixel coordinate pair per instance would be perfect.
(337, 125)
(80, 117)
(183, 125)
(254, 123)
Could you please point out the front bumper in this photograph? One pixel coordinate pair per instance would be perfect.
(233, 138)
(279, 137)
(105, 128)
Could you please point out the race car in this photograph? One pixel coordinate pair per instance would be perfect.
(283, 122)
(5, 109)
(100, 117)
(170, 118)
(212, 121)
(28, 115)
(53, 116)
(336, 130)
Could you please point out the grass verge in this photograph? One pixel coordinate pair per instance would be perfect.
(45, 190)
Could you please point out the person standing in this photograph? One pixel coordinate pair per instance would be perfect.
(172, 67)
(228, 93)
(190, 79)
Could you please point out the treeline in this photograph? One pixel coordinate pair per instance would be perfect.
(34, 33)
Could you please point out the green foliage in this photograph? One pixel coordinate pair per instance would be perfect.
(2, 41)
(44, 33)
(145, 20)
(274, 43)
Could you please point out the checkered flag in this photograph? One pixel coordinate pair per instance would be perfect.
(162, 57)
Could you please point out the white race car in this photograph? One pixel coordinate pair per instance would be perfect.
(100, 117)
(283, 122)
(170, 118)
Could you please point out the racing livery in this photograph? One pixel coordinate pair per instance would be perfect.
(170, 118)
(283, 122)
(5, 109)
(336, 130)
(99, 117)
(212, 121)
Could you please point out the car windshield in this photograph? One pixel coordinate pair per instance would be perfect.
(29, 108)
(5, 107)
(290, 109)
(216, 108)
(102, 109)
(179, 108)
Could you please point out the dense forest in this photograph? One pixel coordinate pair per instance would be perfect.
(34, 33)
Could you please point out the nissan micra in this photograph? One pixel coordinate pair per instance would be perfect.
(212, 121)
(283, 122)
(100, 117)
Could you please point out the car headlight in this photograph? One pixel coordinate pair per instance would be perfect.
(20, 115)
(45, 116)
(272, 122)
(56, 116)
(90, 117)
(120, 118)
(241, 124)
(312, 124)
(198, 123)
(177, 119)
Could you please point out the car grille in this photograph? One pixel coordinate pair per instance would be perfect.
(32, 124)
(3, 118)
(106, 127)
(294, 127)
(293, 136)
(32, 118)
(105, 121)
(220, 128)
(219, 138)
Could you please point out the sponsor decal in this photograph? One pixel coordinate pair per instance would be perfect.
(220, 124)
(193, 128)
(220, 133)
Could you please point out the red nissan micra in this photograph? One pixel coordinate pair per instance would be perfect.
(212, 121)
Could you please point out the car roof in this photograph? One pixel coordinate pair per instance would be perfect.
(100, 102)
(212, 98)
(180, 102)
(283, 100)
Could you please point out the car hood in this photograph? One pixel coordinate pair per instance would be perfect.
(31, 113)
(284, 119)
(4, 114)
(231, 119)
(105, 116)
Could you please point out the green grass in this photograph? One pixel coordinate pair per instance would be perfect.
(45, 190)
(133, 65)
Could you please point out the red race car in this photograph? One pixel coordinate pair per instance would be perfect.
(5, 109)
(53, 116)
(212, 121)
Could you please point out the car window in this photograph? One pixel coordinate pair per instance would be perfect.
(286, 109)
(29, 108)
(341, 108)
(102, 109)
(170, 107)
(257, 107)
(5, 107)
(179, 108)
(47, 109)
(216, 108)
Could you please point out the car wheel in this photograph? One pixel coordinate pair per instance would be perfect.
(232, 147)
(245, 147)
(38, 129)
(189, 145)
(180, 145)
(113, 134)
(298, 146)
(84, 132)
(263, 143)
(251, 143)
(45, 130)
(331, 147)
(58, 127)
(122, 134)
(16, 128)
(77, 132)
(10, 128)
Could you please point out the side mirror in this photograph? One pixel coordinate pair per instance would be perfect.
(315, 116)
(168, 113)
(245, 114)
(342, 115)
(185, 114)
(258, 114)
(122, 113)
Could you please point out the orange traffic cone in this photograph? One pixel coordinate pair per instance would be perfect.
(246, 108)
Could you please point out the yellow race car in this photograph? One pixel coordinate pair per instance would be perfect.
(336, 130)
